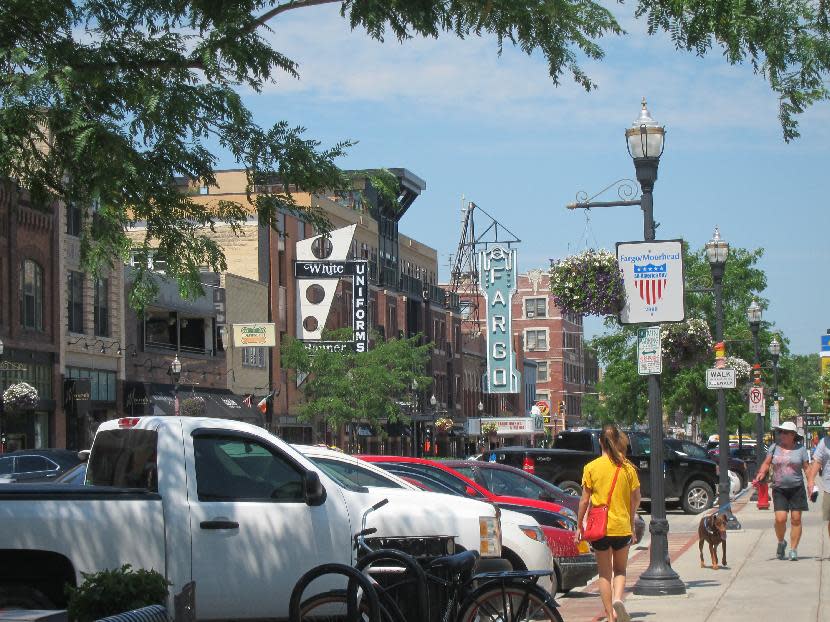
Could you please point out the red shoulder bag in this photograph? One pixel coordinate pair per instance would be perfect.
(596, 521)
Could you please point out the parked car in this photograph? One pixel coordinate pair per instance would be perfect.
(36, 465)
(575, 564)
(690, 480)
(504, 479)
(736, 465)
(522, 536)
(221, 503)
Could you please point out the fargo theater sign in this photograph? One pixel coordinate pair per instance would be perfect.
(497, 281)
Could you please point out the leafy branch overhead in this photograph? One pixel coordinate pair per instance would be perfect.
(121, 103)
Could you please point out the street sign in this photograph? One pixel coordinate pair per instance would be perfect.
(774, 419)
(721, 379)
(756, 400)
(813, 421)
(649, 351)
(653, 281)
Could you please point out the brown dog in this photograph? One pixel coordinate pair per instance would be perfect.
(712, 529)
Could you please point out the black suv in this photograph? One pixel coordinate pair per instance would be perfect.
(691, 480)
(36, 465)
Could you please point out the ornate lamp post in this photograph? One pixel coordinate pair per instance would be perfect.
(2, 412)
(176, 374)
(775, 353)
(717, 252)
(753, 316)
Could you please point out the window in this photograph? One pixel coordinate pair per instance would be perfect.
(253, 357)
(353, 474)
(34, 464)
(31, 295)
(102, 307)
(74, 219)
(101, 383)
(75, 302)
(542, 396)
(511, 484)
(124, 458)
(536, 339)
(6, 466)
(536, 307)
(542, 371)
(242, 469)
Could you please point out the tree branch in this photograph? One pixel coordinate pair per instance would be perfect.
(298, 4)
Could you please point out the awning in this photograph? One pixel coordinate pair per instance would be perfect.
(221, 405)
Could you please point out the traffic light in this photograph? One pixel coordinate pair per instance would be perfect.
(562, 408)
(706, 410)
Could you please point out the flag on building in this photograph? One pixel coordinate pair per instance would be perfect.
(263, 404)
(248, 401)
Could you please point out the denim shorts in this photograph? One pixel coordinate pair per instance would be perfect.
(614, 542)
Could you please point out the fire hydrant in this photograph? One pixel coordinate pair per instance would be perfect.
(763, 495)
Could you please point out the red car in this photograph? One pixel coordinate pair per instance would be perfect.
(575, 563)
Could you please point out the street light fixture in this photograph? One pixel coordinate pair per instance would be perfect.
(645, 141)
(717, 252)
(176, 373)
(775, 352)
(753, 316)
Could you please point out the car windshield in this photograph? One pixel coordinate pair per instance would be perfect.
(75, 476)
(510, 484)
(356, 475)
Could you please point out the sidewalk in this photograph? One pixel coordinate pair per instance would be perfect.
(754, 586)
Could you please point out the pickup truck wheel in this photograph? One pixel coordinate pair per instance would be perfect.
(697, 497)
(571, 487)
(23, 597)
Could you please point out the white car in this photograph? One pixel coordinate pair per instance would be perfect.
(522, 537)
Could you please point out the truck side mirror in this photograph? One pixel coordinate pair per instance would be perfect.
(315, 494)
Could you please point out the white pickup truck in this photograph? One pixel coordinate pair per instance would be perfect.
(220, 503)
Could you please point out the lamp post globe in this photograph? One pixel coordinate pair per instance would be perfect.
(753, 313)
(433, 401)
(645, 141)
(774, 348)
(176, 371)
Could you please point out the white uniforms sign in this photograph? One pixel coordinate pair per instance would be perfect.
(653, 280)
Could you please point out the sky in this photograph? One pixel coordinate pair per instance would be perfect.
(495, 130)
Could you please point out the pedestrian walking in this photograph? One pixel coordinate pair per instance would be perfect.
(788, 462)
(611, 481)
(821, 464)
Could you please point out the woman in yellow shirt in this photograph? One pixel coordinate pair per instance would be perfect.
(612, 550)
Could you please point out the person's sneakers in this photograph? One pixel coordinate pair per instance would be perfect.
(782, 548)
(793, 555)
(619, 609)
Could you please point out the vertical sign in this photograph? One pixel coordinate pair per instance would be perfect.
(360, 300)
(649, 351)
(497, 281)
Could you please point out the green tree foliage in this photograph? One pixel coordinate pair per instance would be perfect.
(624, 393)
(344, 387)
(115, 102)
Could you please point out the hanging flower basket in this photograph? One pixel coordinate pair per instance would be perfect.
(193, 407)
(489, 429)
(589, 283)
(444, 424)
(686, 344)
(20, 396)
(741, 367)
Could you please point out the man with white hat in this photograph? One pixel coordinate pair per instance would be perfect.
(821, 462)
(788, 461)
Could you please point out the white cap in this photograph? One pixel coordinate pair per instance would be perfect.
(787, 425)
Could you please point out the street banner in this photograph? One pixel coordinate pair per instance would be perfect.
(721, 379)
(653, 279)
(649, 351)
(756, 401)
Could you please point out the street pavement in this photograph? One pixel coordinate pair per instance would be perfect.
(755, 584)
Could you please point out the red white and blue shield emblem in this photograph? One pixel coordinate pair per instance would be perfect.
(650, 280)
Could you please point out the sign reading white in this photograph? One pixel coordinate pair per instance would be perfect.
(649, 351)
(653, 281)
(721, 379)
(757, 403)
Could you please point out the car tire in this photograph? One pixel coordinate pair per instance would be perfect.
(571, 487)
(698, 497)
(23, 597)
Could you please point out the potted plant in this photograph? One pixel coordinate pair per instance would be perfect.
(110, 592)
(589, 283)
(741, 367)
(193, 407)
(685, 344)
(443, 425)
(21, 396)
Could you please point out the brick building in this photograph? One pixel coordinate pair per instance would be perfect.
(30, 317)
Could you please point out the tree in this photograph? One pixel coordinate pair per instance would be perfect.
(344, 387)
(624, 393)
(114, 103)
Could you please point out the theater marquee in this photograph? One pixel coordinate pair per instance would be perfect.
(497, 280)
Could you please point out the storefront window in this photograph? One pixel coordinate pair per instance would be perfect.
(101, 382)
(31, 295)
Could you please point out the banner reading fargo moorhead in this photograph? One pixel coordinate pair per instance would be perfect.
(653, 278)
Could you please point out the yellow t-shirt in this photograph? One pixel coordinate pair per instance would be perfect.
(598, 476)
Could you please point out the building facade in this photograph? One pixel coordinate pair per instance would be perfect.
(30, 318)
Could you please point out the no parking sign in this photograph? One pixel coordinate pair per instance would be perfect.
(756, 400)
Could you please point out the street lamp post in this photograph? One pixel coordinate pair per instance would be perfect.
(176, 373)
(2, 412)
(753, 316)
(717, 252)
(775, 353)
